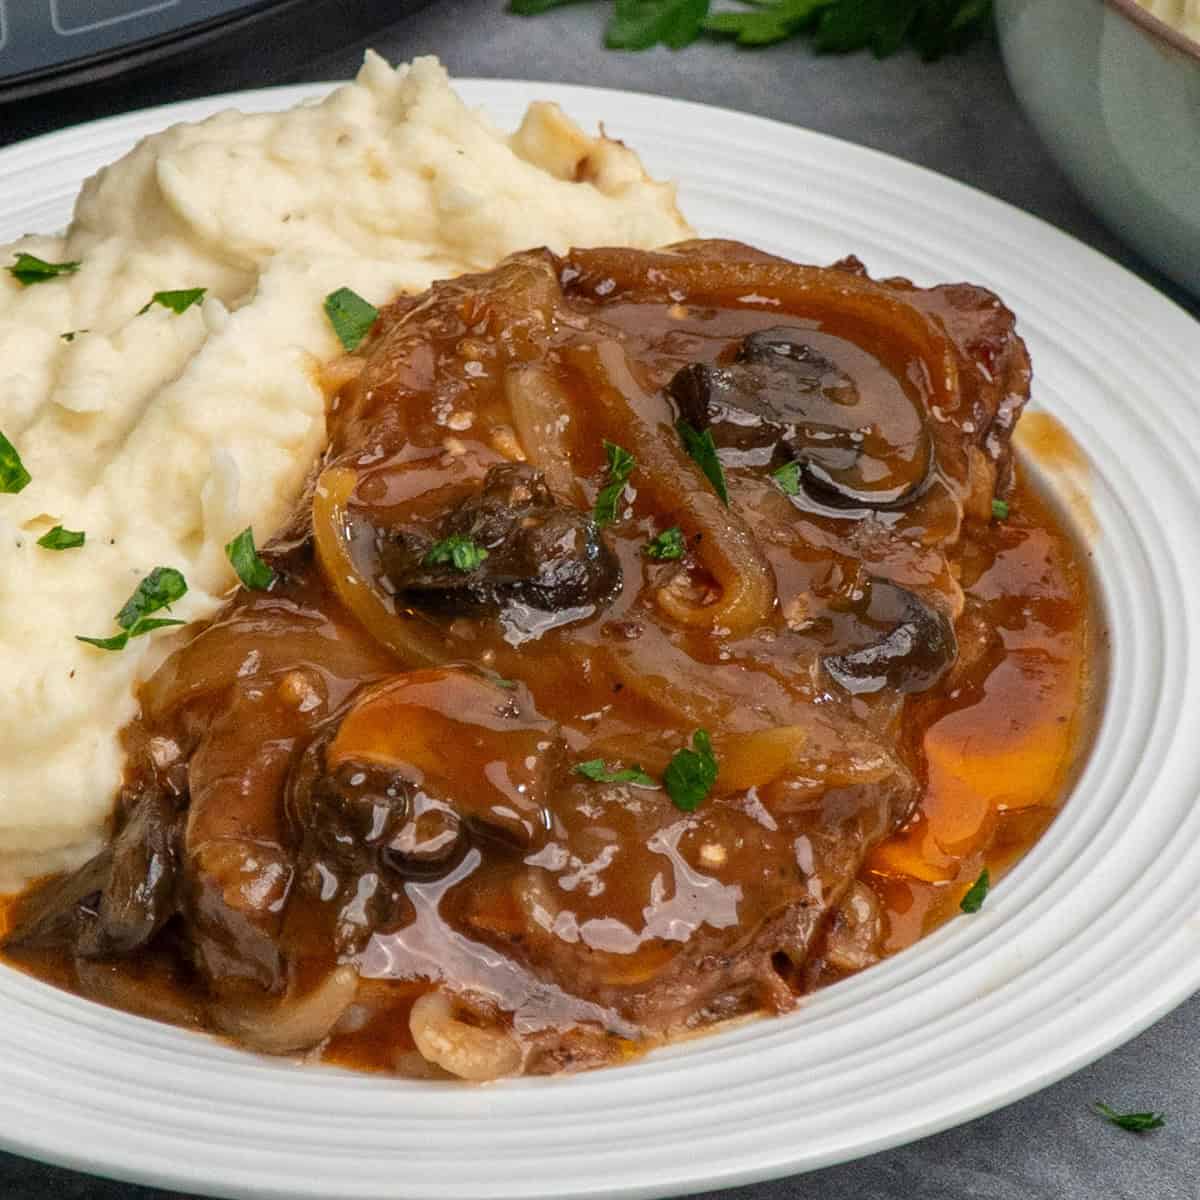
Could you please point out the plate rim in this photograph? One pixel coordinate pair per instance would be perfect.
(1185, 983)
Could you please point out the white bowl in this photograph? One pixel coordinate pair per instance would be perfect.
(1115, 94)
(1093, 936)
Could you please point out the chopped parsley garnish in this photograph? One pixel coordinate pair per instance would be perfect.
(704, 450)
(598, 771)
(787, 478)
(669, 545)
(1000, 510)
(13, 476)
(1138, 1122)
(72, 334)
(62, 539)
(250, 568)
(933, 27)
(458, 551)
(620, 467)
(160, 589)
(29, 269)
(972, 902)
(120, 640)
(690, 774)
(351, 316)
(178, 302)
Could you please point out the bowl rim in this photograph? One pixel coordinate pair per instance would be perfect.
(1157, 27)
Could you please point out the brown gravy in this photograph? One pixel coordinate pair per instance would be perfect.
(578, 920)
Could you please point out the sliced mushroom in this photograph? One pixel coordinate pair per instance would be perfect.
(918, 648)
(115, 903)
(782, 400)
(541, 555)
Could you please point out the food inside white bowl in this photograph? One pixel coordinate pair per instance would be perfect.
(634, 639)
(1183, 15)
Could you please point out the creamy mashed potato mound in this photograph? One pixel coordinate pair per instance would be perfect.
(162, 435)
(1184, 15)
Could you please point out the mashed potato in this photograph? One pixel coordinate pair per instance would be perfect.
(162, 435)
(1184, 15)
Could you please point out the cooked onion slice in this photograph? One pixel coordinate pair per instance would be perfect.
(726, 548)
(888, 322)
(412, 640)
(293, 1023)
(541, 414)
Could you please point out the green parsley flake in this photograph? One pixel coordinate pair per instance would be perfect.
(668, 546)
(620, 466)
(28, 269)
(459, 551)
(160, 589)
(972, 902)
(13, 476)
(177, 302)
(62, 539)
(787, 478)
(703, 449)
(351, 316)
(250, 568)
(596, 770)
(1138, 1122)
(691, 774)
(120, 640)
(1000, 510)
(72, 334)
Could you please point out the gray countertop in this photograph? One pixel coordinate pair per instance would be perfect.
(957, 117)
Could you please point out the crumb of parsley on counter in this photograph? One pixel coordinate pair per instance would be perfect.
(1134, 1122)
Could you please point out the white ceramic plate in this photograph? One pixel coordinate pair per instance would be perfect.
(1091, 938)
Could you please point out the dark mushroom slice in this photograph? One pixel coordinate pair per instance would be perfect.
(782, 400)
(917, 650)
(115, 903)
(541, 555)
(399, 788)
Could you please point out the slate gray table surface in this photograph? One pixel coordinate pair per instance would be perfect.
(957, 117)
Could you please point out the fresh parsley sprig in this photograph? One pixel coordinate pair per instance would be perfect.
(1134, 1122)
(598, 771)
(178, 301)
(13, 476)
(976, 894)
(620, 467)
(667, 546)
(458, 551)
(787, 478)
(703, 449)
(159, 590)
(245, 559)
(28, 269)
(691, 774)
(351, 316)
(59, 538)
(932, 27)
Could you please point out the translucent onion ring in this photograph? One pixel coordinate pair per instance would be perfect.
(750, 279)
(726, 547)
(413, 641)
(540, 414)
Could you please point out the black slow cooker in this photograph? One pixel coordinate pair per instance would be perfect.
(54, 44)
